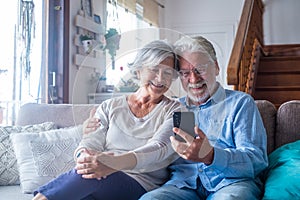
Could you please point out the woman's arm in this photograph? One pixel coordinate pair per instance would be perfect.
(91, 124)
(99, 165)
(94, 132)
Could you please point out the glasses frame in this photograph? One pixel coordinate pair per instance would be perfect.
(168, 73)
(199, 70)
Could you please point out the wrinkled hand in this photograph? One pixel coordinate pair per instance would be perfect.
(92, 123)
(195, 149)
(89, 166)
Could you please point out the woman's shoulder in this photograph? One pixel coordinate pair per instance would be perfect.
(114, 101)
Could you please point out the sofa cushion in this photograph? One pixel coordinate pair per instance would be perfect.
(287, 125)
(42, 156)
(63, 115)
(9, 174)
(13, 192)
(283, 174)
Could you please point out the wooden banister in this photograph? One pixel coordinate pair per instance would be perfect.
(257, 52)
(249, 29)
(237, 50)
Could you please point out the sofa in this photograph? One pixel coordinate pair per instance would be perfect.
(282, 126)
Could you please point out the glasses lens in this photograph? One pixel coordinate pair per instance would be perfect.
(198, 70)
(163, 70)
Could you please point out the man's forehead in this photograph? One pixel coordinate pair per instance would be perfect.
(194, 58)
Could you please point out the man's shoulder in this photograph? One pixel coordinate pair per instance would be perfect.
(239, 98)
(237, 94)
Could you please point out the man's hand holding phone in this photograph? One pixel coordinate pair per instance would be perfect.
(193, 145)
(185, 121)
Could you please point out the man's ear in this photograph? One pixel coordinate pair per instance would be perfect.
(217, 68)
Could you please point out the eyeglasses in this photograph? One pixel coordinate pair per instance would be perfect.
(166, 72)
(199, 70)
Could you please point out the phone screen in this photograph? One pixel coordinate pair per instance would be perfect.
(185, 121)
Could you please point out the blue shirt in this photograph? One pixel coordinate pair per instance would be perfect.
(232, 123)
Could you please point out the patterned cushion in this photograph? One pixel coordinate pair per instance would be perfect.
(42, 156)
(9, 174)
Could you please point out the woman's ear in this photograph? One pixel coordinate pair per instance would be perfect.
(138, 74)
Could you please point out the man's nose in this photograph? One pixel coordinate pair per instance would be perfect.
(194, 77)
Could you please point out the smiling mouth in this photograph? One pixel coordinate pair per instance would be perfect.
(157, 85)
(197, 87)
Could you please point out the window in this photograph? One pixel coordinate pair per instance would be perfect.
(29, 51)
(130, 26)
(22, 39)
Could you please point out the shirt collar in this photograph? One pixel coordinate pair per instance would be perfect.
(219, 95)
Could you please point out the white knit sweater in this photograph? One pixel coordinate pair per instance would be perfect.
(147, 137)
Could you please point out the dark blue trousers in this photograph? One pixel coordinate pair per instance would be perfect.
(72, 186)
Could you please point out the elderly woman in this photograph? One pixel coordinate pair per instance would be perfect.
(129, 153)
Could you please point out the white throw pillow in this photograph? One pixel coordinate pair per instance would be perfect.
(45, 155)
(9, 174)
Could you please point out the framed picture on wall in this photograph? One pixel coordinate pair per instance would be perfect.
(97, 19)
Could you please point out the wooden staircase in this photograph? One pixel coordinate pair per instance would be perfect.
(266, 72)
(278, 74)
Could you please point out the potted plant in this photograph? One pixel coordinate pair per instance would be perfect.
(87, 43)
(112, 38)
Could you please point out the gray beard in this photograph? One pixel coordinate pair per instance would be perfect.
(198, 100)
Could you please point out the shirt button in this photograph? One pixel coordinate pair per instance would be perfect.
(200, 170)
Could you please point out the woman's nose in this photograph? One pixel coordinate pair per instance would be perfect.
(159, 75)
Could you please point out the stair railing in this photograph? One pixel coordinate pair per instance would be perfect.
(257, 53)
(250, 29)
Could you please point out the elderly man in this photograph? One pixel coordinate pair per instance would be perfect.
(229, 152)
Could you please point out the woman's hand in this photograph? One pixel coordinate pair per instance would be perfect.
(92, 123)
(90, 167)
(195, 149)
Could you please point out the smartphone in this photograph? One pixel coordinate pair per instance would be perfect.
(186, 122)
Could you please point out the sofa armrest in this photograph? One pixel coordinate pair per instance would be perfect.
(268, 113)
